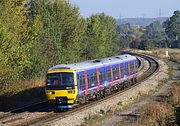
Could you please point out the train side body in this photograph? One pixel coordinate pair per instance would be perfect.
(89, 79)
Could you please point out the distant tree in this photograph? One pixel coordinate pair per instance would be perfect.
(135, 43)
(146, 44)
(172, 27)
(154, 36)
(125, 31)
(129, 35)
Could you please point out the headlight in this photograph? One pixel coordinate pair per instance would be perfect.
(51, 92)
(71, 92)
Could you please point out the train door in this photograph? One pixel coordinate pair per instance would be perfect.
(107, 76)
(126, 71)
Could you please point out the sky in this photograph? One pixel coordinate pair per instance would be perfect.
(128, 8)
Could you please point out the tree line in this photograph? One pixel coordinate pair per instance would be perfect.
(36, 35)
(155, 35)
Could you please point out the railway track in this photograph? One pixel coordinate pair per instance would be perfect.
(18, 117)
(24, 109)
(18, 114)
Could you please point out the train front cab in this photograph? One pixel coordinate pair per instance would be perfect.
(61, 88)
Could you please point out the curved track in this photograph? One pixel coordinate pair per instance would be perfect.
(12, 119)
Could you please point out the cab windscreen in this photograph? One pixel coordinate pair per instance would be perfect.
(60, 79)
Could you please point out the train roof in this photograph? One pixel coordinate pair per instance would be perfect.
(95, 63)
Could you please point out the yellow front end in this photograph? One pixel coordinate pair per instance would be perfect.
(53, 94)
(63, 98)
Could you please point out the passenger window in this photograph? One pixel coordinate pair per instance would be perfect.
(115, 73)
(109, 75)
(82, 80)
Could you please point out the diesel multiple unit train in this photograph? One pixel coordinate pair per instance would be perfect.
(69, 85)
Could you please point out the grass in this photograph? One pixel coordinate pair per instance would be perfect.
(124, 104)
(162, 112)
(174, 54)
(95, 119)
(175, 94)
(157, 113)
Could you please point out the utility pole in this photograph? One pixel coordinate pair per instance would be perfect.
(143, 15)
(120, 17)
(160, 13)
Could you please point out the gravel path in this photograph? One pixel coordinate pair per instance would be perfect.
(112, 104)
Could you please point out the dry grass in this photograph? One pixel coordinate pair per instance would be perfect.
(157, 114)
(161, 113)
(174, 54)
(96, 119)
(175, 94)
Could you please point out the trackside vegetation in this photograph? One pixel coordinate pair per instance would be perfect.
(36, 35)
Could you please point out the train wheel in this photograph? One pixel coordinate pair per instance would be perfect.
(129, 83)
(109, 92)
(98, 96)
(132, 82)
(84, 100)
(57, 110)
(105, 94)
(135, 80)
(101, 94)
(118, 88)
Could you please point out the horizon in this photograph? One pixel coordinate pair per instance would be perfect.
(140, 17)
(127, 9)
